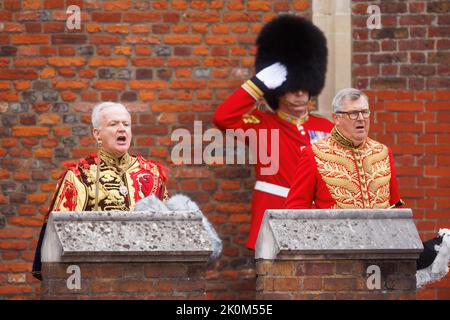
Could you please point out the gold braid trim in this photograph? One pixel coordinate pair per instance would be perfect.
(378, 152)
(383, 205)
(338, 137)
(326, 155)
(252, 89)
(380, 182)
(378, 171)
(293, 119)
(350, 185)
(338, 182)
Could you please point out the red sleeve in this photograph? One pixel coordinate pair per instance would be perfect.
(394, 193)
(303, 189)
(229, 114)
(55, 193)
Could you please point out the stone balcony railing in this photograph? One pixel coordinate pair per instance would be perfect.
(123, 255)
(337, 254)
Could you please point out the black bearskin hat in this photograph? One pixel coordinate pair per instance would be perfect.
(429, 253)
(299, 45)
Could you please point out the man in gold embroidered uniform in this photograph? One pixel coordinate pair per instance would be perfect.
(346, 169)
(110, 180)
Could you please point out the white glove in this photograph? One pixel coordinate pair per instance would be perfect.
(273, 76)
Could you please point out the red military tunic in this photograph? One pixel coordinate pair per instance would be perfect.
(333, 173)
(239, 112)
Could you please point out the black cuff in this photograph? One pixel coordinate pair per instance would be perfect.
(260, 85)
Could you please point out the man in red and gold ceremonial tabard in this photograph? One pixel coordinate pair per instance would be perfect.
(347, 169)
(121, 180)
(291, 65)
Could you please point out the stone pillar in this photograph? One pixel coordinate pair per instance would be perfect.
(334, 18)
(125, 255)
(337, 254)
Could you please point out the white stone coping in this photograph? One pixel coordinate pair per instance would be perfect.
(337, 233)
(113, 236)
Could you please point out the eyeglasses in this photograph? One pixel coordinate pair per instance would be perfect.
(353, 115)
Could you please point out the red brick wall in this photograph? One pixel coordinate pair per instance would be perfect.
(335, 279)
(170, 62)
(405, 67)
(131, 280)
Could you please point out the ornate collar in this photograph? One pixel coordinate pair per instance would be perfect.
(119, 162)
(339, 138)
(293, 119)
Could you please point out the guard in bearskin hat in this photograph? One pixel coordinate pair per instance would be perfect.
(290, 64)
(298, 45)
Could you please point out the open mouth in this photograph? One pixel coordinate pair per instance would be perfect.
(121, 139)
(360, 127)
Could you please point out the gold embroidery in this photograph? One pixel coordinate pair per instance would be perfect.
(166, 195)
(111, 178)
(122, 162)
(293, 119)
(250, 119)
(338, 137)
(110, 182)
(356, 177)
(330, 157)
(252, 90)
(378, 169)
(129, 172)
(255, 88)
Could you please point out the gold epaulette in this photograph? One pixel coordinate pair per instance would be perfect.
(250, 119)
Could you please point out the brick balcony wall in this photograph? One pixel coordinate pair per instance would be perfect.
(127, 281)
(333, 279)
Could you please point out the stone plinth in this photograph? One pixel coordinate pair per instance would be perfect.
(125, 255)
(337, 254)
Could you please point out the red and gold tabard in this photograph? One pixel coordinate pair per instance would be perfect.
(333, 173)
(122, 182)
(239, 112)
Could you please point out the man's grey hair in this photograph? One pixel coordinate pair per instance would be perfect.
(100, 107)
(347, 94)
